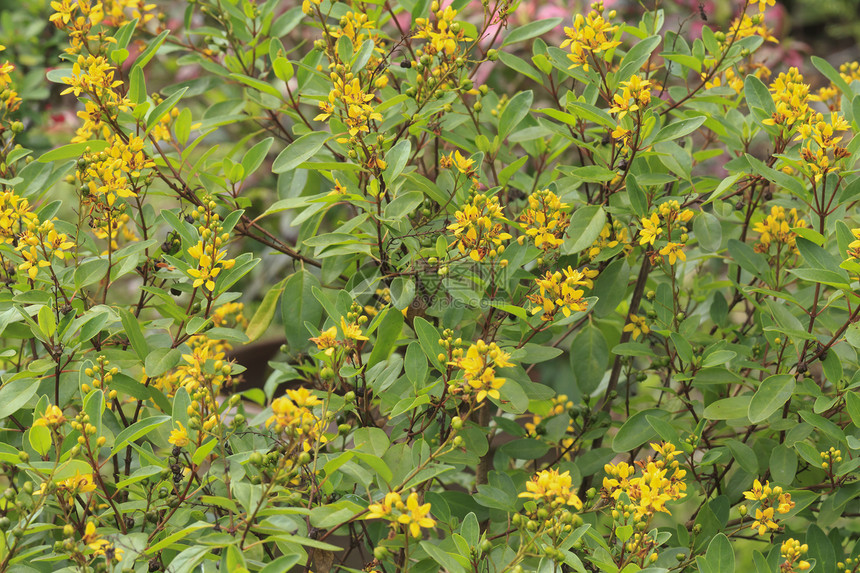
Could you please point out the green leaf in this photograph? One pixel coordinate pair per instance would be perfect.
(531, 30)
(449, 561)
(73, 151)
(728, 408)
(708, 231)
(636, 195)
(636, 57)
(428, 337)
(300, 306)
(525, 449)
(636, 430)
(757, 95)
(585, 226)
(300, 151)
(40, 439)
(749, 260)
(131, 326)
(589, 356)
(137, 431)
(415, 364)
(720, 555)
(265, 313)
(283, 69)
(404, 205)
(744, 456)
(151, 49)
(783, 464)
(397, 157)
(256, 155)
(137, 86)
(678, 129)
(612, 286)
(852, 405)
(831, 74)
(163, 108)
(16, 393)
(160, 360)
(386, 335)
(774, 391)
(514, 112)
(258, 85)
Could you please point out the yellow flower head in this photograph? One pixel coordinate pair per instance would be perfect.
(52, 418)
(179, 436)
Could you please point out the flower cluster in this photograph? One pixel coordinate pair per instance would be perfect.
(412, 514)
(770, 500)
(100, 376)
(208, 255)
(480, 228)
(560, 291)
(791, 98)
(792, 551)
(591, 34)
(635, 95)
(820, 149)
(119, 171)
(442, 38)
(99, 545)
(545, 220)
(552, 490)
(9, 100)
(292, 414)
(611, 236)
(675, 219)
(349, 97)
(479, 368)
(830, 457)
(776, 230)
(648, 491)
(831, 94)
(561, 405)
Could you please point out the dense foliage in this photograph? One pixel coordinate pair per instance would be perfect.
(554, 292)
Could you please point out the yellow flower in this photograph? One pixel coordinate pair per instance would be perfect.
(351, 330)
(479, 366)
(77, 484)
(52, 418)
(544, 220)
(384, 509)
(479, 227)
(416, 515)
(549, 487)
(637, 326)
(179, 436)
(327, 339)
(764, 521)
(675, 252)
(651, 229)
(589, 34)
(559, 291)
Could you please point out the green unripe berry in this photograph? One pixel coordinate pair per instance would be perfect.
(456, 423)
(381, 552)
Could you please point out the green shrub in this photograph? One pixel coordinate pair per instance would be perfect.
(548, 302)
